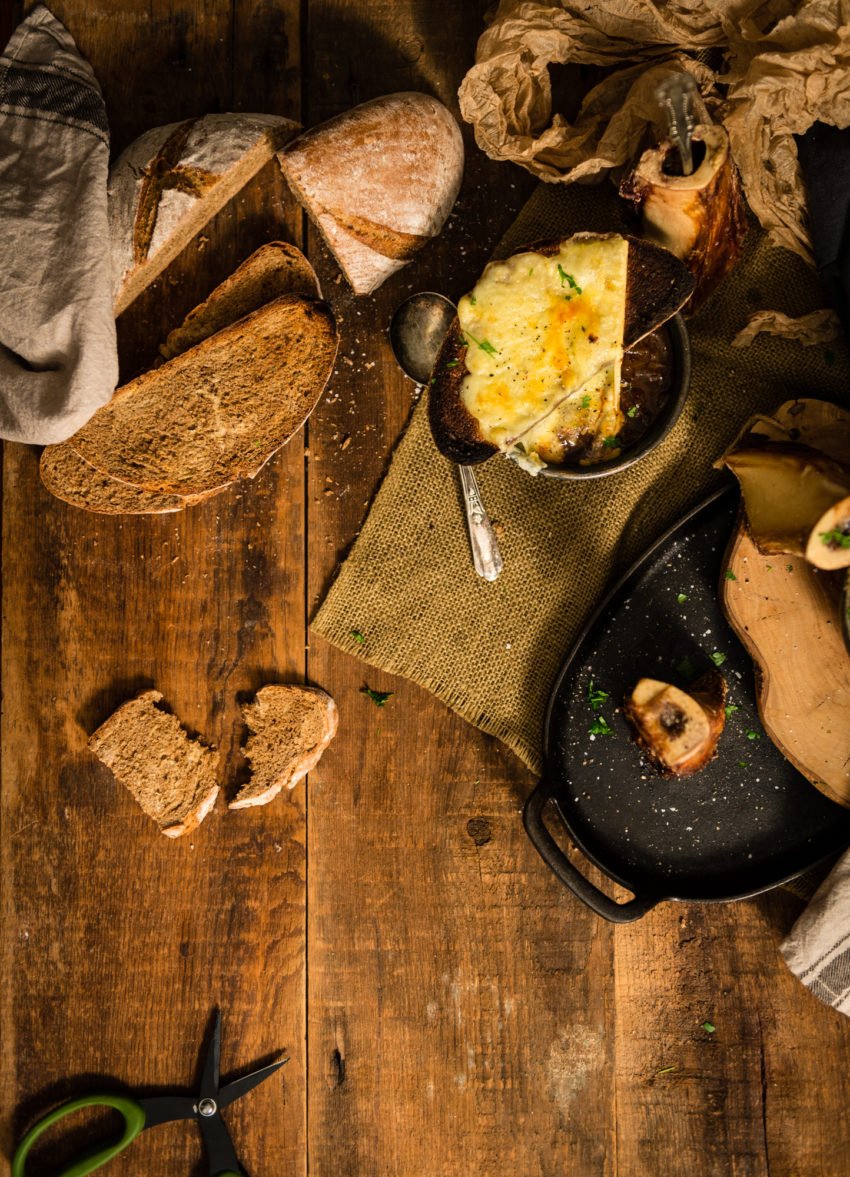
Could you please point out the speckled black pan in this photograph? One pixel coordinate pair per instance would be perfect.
(747, 822)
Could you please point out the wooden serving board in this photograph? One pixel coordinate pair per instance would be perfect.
(788, 616)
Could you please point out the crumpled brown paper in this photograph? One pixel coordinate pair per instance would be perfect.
(816, 327)
(781, 66)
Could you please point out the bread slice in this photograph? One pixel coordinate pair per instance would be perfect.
(657, 286)
(272, 270)
(219, 411)
(172, 180)
(171, 775)
(291, 727)
(378, 181)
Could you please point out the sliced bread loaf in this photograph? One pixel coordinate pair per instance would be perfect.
(378, 181)
(219, 411)
(172, 180)
(272, 270)
(290, 728)
(171, 775)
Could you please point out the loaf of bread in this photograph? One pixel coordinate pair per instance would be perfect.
(172, 180)
(219, 411)
(378, 181)
(290, 728)
(171, 775)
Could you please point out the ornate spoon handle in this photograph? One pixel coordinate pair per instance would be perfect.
(485, 548)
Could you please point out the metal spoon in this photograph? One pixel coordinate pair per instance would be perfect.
(417, 331)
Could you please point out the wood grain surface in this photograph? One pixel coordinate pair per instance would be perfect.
(449, 1011)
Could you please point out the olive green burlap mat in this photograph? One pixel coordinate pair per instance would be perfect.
(491, 651)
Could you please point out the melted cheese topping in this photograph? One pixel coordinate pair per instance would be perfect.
(589, 418)
(540, 329)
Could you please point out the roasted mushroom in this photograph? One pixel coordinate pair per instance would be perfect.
(829, 542)
(789, 489)
(678, 730)
(701, 218)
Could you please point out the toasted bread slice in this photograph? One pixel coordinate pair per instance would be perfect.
(272, 270)
(657, 286)
(291, 727)
(171, 775)
(219, 411)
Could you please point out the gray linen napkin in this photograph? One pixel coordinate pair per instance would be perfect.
(58, 354)
(817, 949)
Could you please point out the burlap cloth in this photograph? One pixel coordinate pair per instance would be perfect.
(491, 651)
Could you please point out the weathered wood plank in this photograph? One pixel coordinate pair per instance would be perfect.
(117, 943)
(457, 1025)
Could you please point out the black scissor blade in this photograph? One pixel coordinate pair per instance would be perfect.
(162, 1109)
(239, 1087)
(220, 1151)
(212, 1059)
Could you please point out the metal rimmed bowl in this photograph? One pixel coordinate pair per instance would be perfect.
(667, 417)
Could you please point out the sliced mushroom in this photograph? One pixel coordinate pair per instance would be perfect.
(678, 730)
(829, 543)
(787, 488)
(701, 218)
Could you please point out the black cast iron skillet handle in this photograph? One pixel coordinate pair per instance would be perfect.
(573, 880)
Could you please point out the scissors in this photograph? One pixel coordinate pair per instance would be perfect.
(204, 1108)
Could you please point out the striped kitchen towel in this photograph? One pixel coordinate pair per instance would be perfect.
(817, 950)
(58, 352)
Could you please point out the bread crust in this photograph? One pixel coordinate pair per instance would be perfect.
(360, 178)
(657, 285)
(172, 180)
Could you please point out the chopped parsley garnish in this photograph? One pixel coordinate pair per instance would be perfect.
(611, 443)
(379, 698)
(742, 764)
(751, 735)
(717, 658)
(565, 277)
(835, 538)
(600, 727)
(472, 300)
(595, 696)
(681, 598)
(686, 669)
(452, 363)
(665, 1070)
(729, 574)
(483, 344)
(358, 636)
(789, 567)
(632, 412)
(585, 401)
(731, 708)
(709, 1027)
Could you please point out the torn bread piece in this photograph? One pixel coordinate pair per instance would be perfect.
(678, 730)
(290, 728)
(172, 181)
(170, 774)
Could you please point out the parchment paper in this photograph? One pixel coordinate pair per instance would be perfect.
(776, 68)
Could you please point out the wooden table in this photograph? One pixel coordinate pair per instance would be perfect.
(447, 1009)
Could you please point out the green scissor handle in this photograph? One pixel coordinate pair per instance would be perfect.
(134, 1122)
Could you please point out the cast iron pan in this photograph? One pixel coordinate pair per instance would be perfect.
(747, 822)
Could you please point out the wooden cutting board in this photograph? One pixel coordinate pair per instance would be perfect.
(788, 616)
